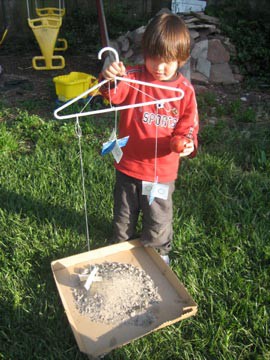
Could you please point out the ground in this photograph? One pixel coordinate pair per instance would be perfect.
(34, 90)
(22, 86)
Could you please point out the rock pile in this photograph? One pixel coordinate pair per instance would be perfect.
(210, 50)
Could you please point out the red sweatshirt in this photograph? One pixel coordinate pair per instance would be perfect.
(147, 153)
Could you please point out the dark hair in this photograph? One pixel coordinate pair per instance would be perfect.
(167, 37)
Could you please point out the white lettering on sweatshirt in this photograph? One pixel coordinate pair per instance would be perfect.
(159, 120)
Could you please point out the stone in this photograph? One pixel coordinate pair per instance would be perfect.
(200, 49)
(114, 44)
(229, 46)
(198, 78)
(123, 43)
(192, 42)
(194, 34)
(128, 54)
(138, 59)
(192, 19)
(185, 70)
(217, 53)
(222, 74)
(201, 26)
(203, 66)
(235, 69)
(164, 11)
(200, 89)
(136, 35)
(238, 77)
(205, 33)
(207, 18)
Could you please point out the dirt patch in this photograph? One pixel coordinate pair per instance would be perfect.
(33, 90)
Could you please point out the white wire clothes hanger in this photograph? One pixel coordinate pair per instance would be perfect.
(160, 102)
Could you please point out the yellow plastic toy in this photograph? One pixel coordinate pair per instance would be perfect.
(54, 12)
(50, 12)
(3, 36)
(46, 30)
(69, 86)
(5, 25)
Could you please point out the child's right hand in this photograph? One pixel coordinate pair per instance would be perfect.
(113, 70)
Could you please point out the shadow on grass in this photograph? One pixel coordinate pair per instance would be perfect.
(62, 216)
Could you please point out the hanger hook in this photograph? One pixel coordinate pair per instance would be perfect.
(108, 48)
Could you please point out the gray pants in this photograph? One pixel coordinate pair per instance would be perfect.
(157, 218)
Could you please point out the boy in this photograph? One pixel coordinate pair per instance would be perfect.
(158, 138)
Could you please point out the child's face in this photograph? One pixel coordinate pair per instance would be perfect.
(161, 70)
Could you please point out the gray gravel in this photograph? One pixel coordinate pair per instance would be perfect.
(122, 294)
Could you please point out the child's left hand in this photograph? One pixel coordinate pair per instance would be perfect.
(182, 145)
(188, 149)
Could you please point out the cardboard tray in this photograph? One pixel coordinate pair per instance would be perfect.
(96, 339)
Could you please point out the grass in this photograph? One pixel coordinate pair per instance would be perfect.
(221, 248)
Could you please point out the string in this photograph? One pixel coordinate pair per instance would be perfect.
(78, 131)
(156, 150)
(111, 105)
(151, 97)
(141, 91)
(89, 100)
(156, 135)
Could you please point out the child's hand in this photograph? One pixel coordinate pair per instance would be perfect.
(113, 70)
(188, 149)
(182, 145)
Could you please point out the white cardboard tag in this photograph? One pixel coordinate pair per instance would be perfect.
(117, 152)
(155, 189)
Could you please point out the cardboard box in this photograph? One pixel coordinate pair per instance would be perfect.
(96, 339)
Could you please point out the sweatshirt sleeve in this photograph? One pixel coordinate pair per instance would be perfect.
(115, 92)
(188, 124)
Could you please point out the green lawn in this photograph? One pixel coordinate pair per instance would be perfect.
(221, 249)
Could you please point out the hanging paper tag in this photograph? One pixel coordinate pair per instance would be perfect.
(154, 189)
(152, 194)
(107, 147)
(110, 145)
(113, 135)
(90, 278)
(117, 152)
(123, 141)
